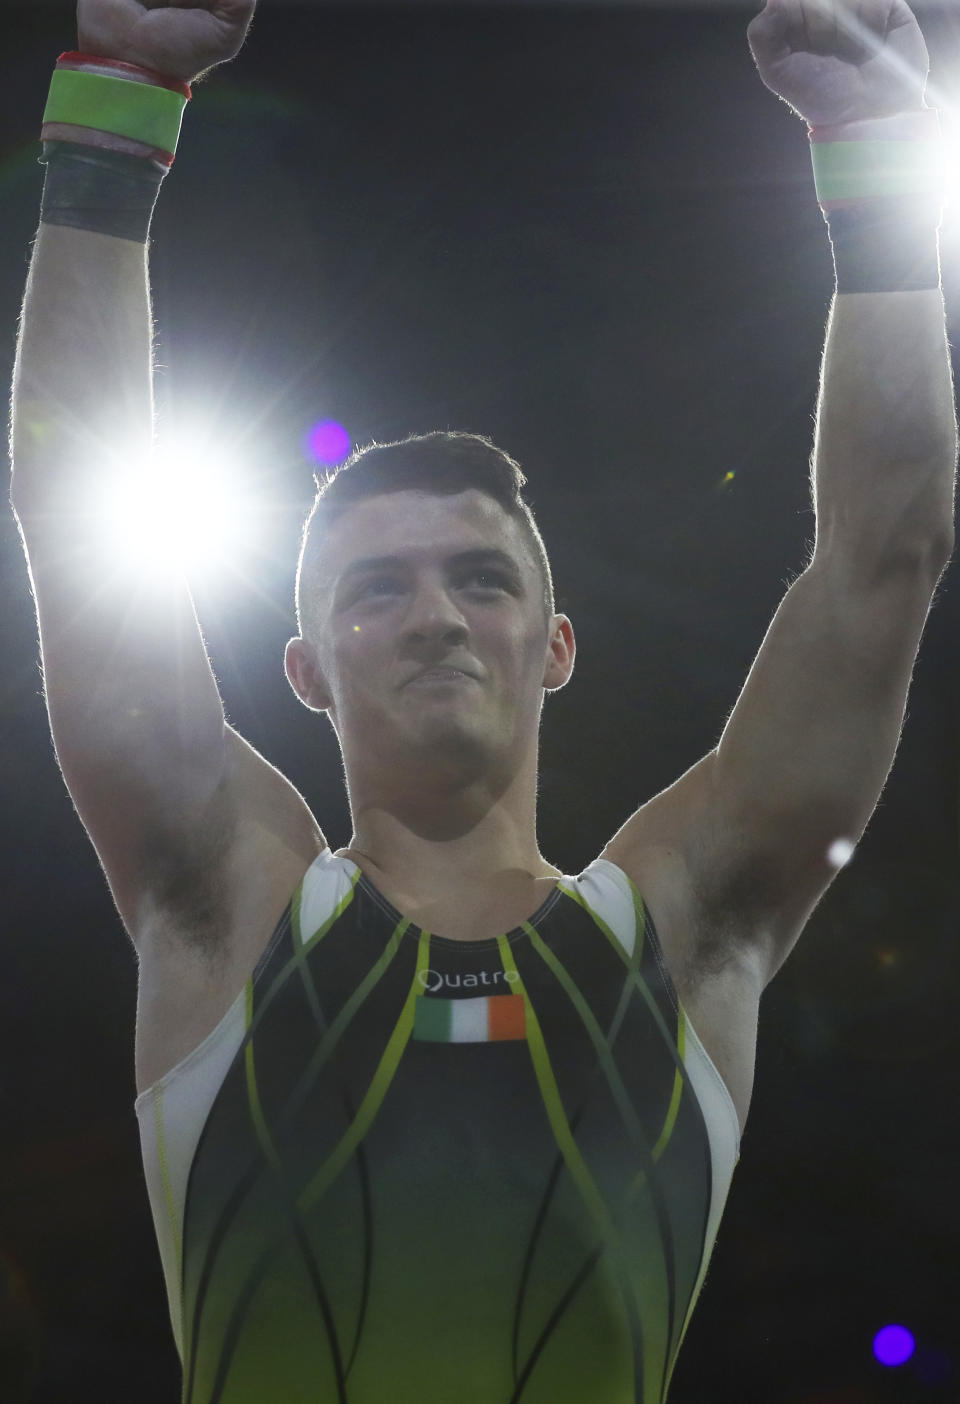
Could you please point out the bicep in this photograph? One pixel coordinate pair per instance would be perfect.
(162, 785)
(807, 749)
(129, 690)
(739, 850)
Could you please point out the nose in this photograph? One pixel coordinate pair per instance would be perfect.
(434, 615)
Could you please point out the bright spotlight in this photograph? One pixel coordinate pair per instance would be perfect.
(184, 509)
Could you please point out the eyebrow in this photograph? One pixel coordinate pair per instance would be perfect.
(484, 555)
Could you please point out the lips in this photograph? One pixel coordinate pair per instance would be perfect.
(438, 674)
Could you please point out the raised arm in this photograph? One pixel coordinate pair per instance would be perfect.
(739, 851)
(805, 754)
(159, 780)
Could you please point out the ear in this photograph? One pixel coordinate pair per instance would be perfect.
(562, 652)
(304, 676)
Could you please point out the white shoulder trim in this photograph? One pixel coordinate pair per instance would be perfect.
(606, 890)
(326, 883)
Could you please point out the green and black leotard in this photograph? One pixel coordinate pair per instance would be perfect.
(411, 1170)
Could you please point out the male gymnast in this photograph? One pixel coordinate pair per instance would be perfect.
(425, 1120)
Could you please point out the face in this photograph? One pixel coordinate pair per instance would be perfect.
(430, 638)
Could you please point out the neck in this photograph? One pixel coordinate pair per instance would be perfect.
(438, 833)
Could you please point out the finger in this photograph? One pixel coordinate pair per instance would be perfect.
(768, 33)
(818, 21)
(861, 28)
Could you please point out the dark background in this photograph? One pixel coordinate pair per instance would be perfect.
(593, 235)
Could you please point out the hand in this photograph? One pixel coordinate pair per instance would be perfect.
(841, 60)
(179, 38)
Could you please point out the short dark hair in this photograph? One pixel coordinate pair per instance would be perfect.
(444, 462)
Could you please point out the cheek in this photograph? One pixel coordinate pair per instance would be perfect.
(522, 654)
(359, 662)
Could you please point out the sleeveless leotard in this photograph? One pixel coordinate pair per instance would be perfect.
(411, 1170)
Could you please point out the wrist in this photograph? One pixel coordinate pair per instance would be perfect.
(110, 132)
(122, 68)
(103, 191)
(881, 183)
(115, 105)
(893, 247)
(880, 158)
(916, 123)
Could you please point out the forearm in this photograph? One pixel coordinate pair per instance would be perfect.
(128, 686)
(885, 446)
(82, 394)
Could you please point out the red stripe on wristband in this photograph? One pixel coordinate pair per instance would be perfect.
(75, 60)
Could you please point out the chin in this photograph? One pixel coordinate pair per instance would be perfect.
(453, 739)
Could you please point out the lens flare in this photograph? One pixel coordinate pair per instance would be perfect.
(328, 442)
(839, 853)
(893, 1345)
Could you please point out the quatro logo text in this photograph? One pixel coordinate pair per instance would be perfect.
(433, 980)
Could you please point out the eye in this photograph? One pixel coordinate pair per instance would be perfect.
(380, 585)
(487, 580)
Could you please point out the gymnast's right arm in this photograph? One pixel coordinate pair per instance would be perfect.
(135, 714)
(162, 784)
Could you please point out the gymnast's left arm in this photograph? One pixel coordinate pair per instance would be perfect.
(807, 750)
(885, 442)
(758, 828)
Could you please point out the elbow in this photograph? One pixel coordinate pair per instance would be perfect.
(919, 556)
(927, 553)
(913, 538)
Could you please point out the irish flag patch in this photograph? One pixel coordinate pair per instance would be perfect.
(490, 1019)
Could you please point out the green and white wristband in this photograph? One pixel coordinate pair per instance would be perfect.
(116, 106)
(110, 132)
(882, 186)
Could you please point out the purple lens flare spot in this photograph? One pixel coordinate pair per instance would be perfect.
(893, 1345)
(328, 442)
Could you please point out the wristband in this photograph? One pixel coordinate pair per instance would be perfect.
(881, 184)
(116, 106)
(110, 133)
(104, 191)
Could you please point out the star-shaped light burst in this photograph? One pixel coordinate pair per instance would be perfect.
(184, 507)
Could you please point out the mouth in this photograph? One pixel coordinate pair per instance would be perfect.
(431, 676)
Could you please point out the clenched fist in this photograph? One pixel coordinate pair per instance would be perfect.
(180, 38)
(841, 60)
